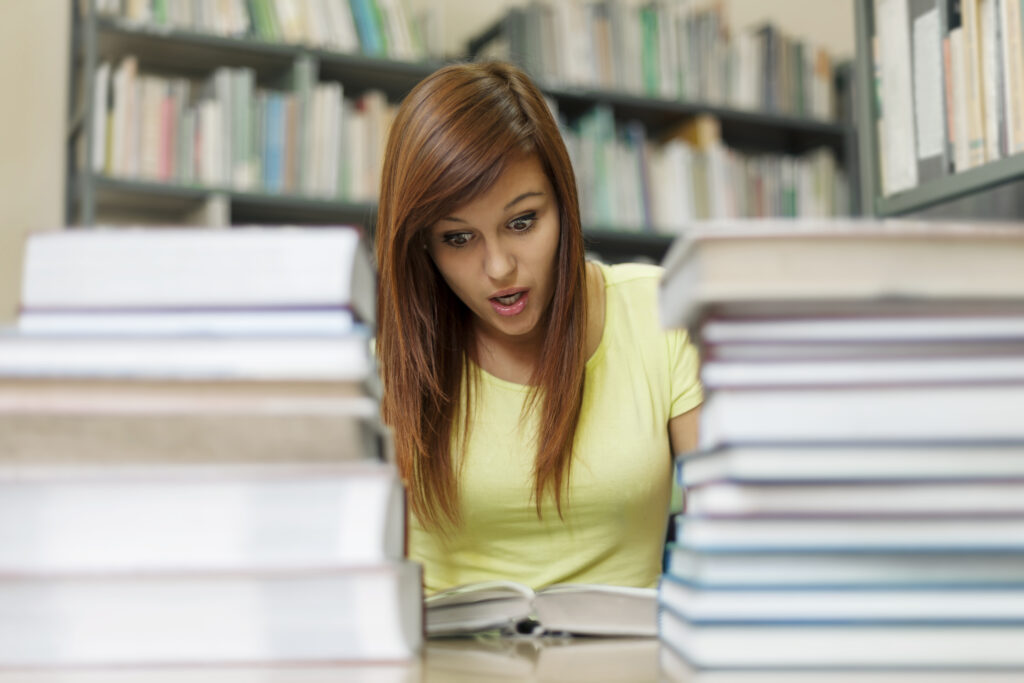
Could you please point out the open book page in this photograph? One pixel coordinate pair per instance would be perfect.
(563, 608)
(477, 607)
(597, 610)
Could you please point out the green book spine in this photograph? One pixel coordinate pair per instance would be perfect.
(258, 20)
(273, 26)
(159, 12)
(379, 19)
(649, 54)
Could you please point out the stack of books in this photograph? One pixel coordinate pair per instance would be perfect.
(857, 499)
(192, 467)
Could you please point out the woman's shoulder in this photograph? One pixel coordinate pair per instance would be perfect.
(626, 273)
(632, 283)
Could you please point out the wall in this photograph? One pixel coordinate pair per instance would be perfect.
(34, 45)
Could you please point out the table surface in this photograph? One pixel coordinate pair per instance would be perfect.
(500, 660)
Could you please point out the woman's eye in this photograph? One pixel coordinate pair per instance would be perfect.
(456, 239)
(524, 222)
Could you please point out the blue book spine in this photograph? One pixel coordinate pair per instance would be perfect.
(366, 26)
(273, 168)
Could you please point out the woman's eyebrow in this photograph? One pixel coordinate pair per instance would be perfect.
(530, 193)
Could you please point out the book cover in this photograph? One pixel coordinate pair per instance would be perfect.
(161, 618)
(842, 646)
(847, 566)
(223, 513)
(139, 269)
(895, 262)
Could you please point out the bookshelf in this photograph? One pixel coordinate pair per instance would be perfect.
(95, 196)
(989, 190)
(98, 196)
(784, 122)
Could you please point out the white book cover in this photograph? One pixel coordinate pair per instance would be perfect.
(140, 269)
(851, 604)
(123, 113)
(323, 357)
(851, 567)
(852, 498)
(866, 534)
(991, 74)
(783, 263)
(862, 414)
(345, 37)
(282, 323)
(866, 371)
(104, 517)
(927, 29)
(841, 646)
(892, 21)
(971, 323)
(287, 617)
(787, 463)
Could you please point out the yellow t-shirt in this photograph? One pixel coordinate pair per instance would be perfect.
(616, 510)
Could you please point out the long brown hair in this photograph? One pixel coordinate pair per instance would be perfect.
(450, 141)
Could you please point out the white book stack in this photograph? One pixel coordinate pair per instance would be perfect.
(857, 498)
(192, 467)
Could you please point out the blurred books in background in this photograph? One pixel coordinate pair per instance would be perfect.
(294, 135)
(855, 500)
(192, 465)
(659, 176)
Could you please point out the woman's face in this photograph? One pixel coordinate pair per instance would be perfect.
(497, 252)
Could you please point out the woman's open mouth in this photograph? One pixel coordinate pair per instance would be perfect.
(512, 303)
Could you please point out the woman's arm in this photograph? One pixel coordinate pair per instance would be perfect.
(682, 431)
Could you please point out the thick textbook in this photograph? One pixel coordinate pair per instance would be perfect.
(126, 269)
(952, 325)
(812, 567)
(868, 605)
(198, 517)
(863, 415)
(878, 462)
(46, 421)
(276, 323)
(786, 264)
(783, 645)
(674, 667)
(1000, 366)
(582, 609)
(314, 615)
(324, 357)
(871, 533)
(851, 499)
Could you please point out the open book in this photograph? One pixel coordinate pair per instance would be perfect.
(581, 609)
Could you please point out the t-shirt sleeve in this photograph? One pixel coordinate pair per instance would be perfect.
(684, 368)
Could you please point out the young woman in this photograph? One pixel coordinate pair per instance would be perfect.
(534, 399)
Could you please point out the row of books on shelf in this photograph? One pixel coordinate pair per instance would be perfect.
(311, 140)
(856, 498)
(671, 49)
(949, 78)
(192, 465)
(631, 179)
(379, 28)
(306, 138)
